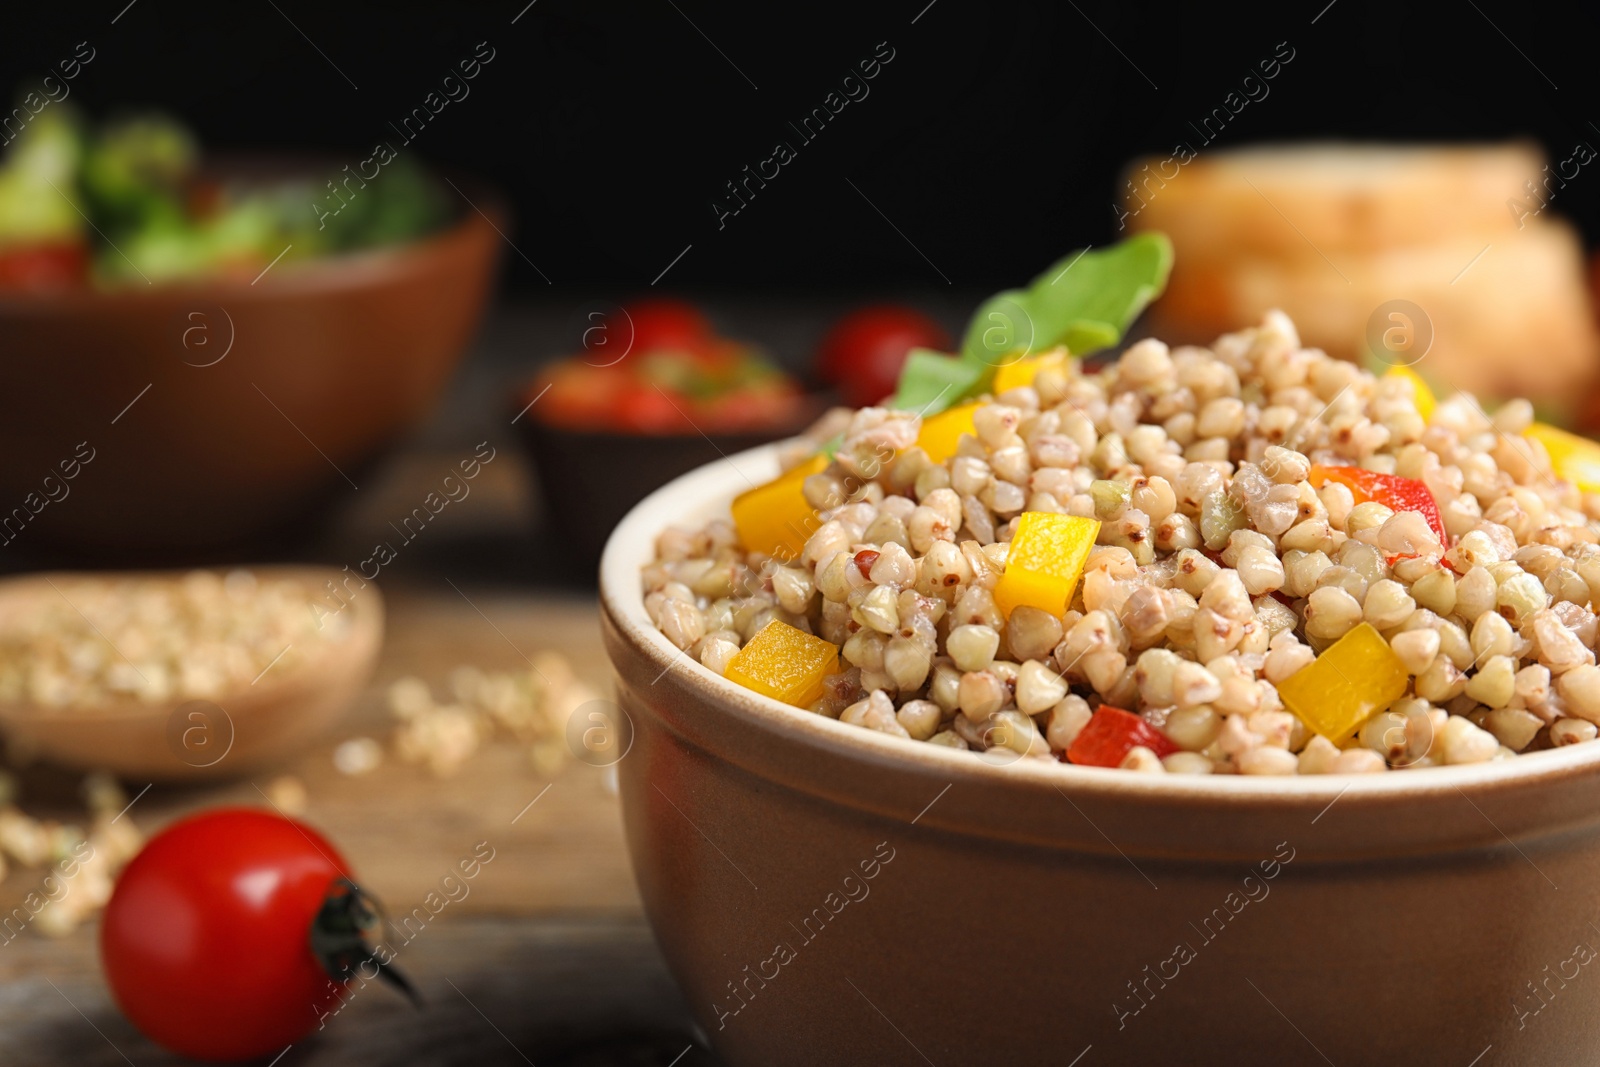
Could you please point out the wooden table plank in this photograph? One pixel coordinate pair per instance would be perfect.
(404, 829)
(570, 991)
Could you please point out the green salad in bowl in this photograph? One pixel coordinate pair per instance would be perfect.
(132, 200)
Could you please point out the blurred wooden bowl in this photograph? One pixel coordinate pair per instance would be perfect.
(267, 721)
(220, 412)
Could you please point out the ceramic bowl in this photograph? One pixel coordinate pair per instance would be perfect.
(825, 894)
(203, 418)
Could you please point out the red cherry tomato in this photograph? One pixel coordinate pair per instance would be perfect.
(206, 940)
(863, 353)
(662, 323)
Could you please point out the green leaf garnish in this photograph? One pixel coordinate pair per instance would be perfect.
(1086, 302)
(931, 381)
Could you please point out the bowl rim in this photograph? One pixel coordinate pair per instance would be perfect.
(486, 216)
(704, 493)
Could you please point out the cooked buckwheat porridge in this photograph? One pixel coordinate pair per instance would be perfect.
(1249, 558)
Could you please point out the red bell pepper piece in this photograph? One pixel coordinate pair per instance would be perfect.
(1390, 490)
(1110, 734)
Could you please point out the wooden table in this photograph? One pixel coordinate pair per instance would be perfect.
(547, 960)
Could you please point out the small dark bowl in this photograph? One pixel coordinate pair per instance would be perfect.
(589, 479)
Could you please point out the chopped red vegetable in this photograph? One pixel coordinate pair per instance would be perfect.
(658, 368)
(32, 268)
(1110, 734)
(1390, 490)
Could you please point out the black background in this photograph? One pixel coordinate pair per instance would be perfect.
(992, 141)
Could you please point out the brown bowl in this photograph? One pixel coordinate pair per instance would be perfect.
(178, 740)
(219, 412)
(826, 894)
(589, 479)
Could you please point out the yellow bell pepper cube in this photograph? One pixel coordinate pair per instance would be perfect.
(1016, 374)
(774, 518)
(1045, 561)
(1420, 391)
(1573, 458)
(941, 433)
(784, 663)
(1355, 678)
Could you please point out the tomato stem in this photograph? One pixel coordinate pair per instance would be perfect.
(346, 936)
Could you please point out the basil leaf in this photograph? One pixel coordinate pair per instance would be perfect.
(1002, 325)
(930, 381)
(1084, 301)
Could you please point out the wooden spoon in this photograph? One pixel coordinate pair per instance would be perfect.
(284, 710)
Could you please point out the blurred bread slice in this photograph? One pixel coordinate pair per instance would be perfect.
(1337, 197)
(1329, 234)
(1515, 322)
